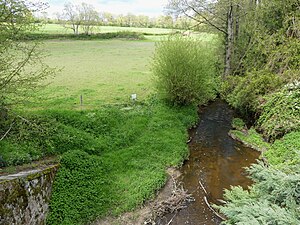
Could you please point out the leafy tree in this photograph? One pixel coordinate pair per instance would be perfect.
(221, 16)
(76, 16)
(89, 17)
(18, 76)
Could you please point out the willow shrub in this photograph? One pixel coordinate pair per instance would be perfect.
(184, 70)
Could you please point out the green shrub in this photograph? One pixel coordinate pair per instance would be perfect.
(13, 154)
(251, 138)
(285, 151)
(120, 34)
(280, 114)
(245, 93)
(238, 124)
(185, 71)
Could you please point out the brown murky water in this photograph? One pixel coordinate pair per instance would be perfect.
(217, 161)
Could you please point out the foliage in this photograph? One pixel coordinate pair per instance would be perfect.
(113, 159)
(81, 189)
(285, 151)
(273, 199)
(131, 35)
(280, 113)
(82, 15)
(245, 93)
(16, 80)
(184, 69)
(238, 124)
(266, 55)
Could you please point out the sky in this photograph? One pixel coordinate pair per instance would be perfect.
(150, 8)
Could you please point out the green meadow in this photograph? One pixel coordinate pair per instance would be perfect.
(59, 29)
(102, 71)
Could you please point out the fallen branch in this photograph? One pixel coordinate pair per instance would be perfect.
(211, 208)
(6, 133)
(172, 219)
(203, 187)
(177, 201)
(207, 203)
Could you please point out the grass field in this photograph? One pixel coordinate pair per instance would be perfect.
(104, 72)
(58, 29)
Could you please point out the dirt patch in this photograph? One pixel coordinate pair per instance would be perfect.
(165, 201)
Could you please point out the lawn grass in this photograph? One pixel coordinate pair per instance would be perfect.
(103, 71)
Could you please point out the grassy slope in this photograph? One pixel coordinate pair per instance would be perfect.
(127, 165)
(102, 71)
(283, 152)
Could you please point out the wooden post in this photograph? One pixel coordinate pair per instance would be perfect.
(81, 100)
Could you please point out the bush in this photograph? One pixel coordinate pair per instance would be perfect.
(185, 71)
(120, 34)
(280, 114)
(245, 93)
(285, 151)
(238, 124)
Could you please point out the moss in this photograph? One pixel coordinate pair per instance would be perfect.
(251, 139)
(34, 176)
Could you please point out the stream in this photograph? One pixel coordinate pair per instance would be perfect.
(216, 160)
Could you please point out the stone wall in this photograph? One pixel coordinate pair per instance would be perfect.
(24, 197)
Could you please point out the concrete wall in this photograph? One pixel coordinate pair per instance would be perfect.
(24, 197)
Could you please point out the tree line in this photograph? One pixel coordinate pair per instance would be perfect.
(87, 18)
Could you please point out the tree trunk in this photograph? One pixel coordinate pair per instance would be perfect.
(229, 41)
(237, 23)
(77, 29)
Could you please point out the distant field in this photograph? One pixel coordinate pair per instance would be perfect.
(58, 29)
(104, 72)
